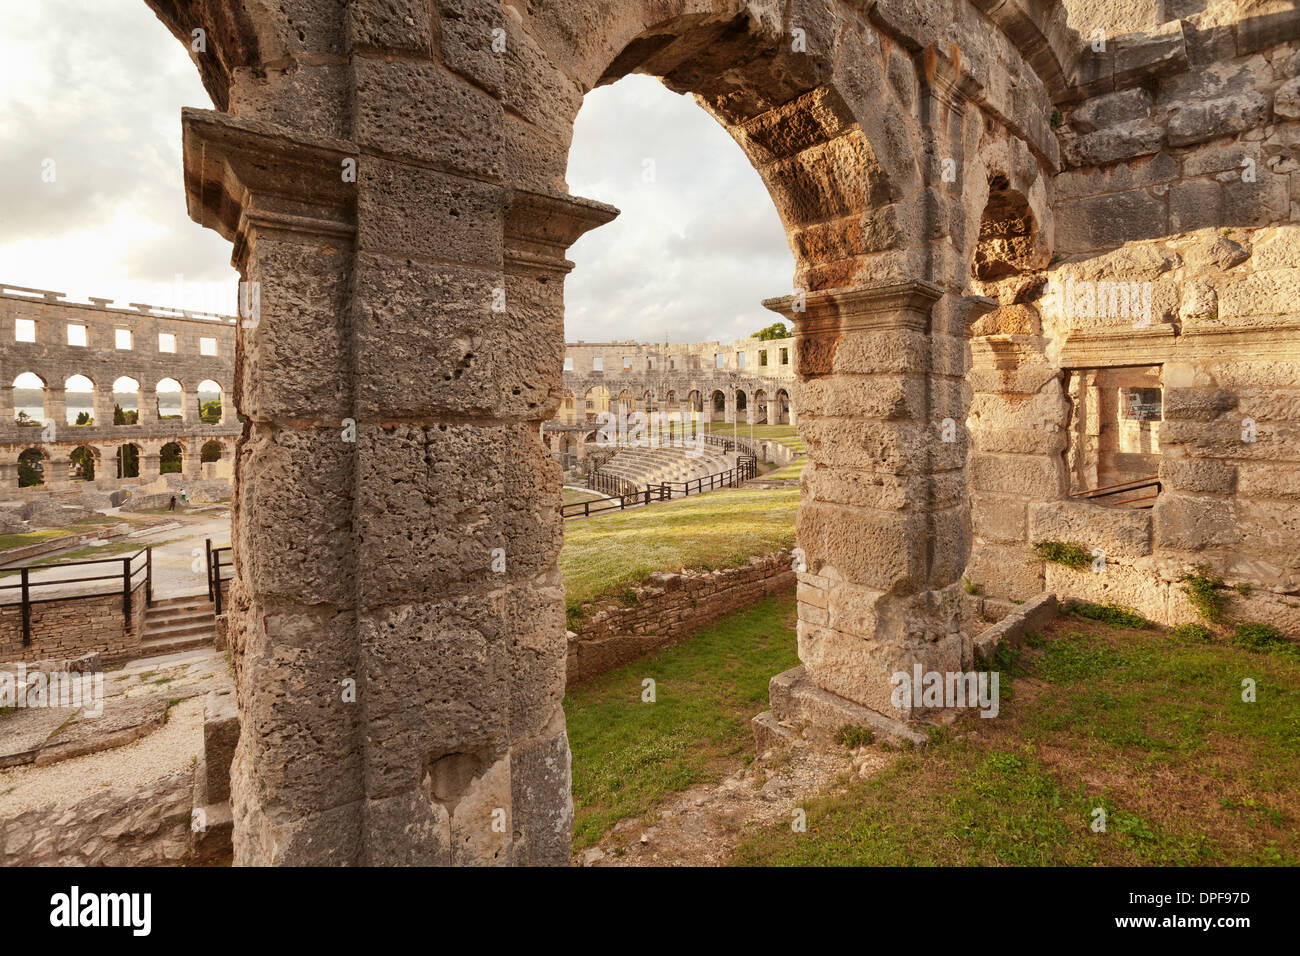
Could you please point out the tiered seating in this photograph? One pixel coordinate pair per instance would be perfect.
(656, 464)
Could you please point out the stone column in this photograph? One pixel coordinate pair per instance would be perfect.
(57, 466)
(149, 461)
(191, 466)
(56, 406)
(882, 524)
(8, 476)
(6, 404)
(103, 405)
(398, 645)
(148, 405)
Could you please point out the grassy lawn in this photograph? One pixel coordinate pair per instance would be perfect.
(785, 434)
(572, 496)
(604, 555)
(1147, 724)
(790, 472)
(8, 541)
(629, 755)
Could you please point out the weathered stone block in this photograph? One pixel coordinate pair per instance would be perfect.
(1120, 532)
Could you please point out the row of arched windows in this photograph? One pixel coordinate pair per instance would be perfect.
(596, 400)
(84, 463)
(79, 397)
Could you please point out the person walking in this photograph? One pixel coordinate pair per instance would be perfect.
(172, 506)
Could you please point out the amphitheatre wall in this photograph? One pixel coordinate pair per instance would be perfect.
(37, 331)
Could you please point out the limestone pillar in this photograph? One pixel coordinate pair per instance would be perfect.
(56, 406)
(8, 476)
(148, 405)
(399, 645)
(6, 404)
(881, 391)
(103, 405)
(149, 463)
(57, 467)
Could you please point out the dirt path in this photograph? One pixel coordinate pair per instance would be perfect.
(704, 825)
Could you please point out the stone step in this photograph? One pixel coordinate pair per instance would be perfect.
(174, 645)
(162, 631)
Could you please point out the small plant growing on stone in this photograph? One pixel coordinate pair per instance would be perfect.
(1203, 590)
(970, 587)
(1056, 118)
(1069, 553)
(1244, 589)
(1113, 614)
(853, 737)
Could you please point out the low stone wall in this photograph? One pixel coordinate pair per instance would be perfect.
(72, 627)
(669, 609)
(123, 826)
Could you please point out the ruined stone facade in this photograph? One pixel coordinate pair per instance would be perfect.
(930, 161)
(750, 381)
(38, 330)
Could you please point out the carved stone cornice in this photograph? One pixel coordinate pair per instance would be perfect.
(885, 305)
(540, 227)
(243, 177)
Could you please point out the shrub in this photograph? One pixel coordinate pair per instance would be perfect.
(1068, 553)
(852, 737)
(971, 587)
(1254, 636)
(1113, 614)
(1192, 634)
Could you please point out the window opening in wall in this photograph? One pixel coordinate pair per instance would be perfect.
(719, 360)
(1113, 449)
(568, 363)
(207, 346)
(122, 338)
(762, 357)
(785, 356)
(77, 335)
(627, 363)
(24, 330)
(740, 360)
(166, 342)
(598, 364)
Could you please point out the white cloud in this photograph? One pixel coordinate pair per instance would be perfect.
(694, 251)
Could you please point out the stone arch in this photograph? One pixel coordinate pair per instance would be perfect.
(718, 407)
(211, 451)
(26, 410)
(208, 392)
(741, 401)
(81, 408)
(782, 413)
(83, 463)
(127, 401)
(171, 459)
(170, 399)
(128, 461)
(761, 416)
(31, 468)
(353, 294)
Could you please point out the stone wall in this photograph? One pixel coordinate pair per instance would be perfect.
(72, 627)
(54, 360)
(670, 608)
(1177, 246)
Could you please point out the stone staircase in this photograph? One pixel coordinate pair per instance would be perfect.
(178, 624)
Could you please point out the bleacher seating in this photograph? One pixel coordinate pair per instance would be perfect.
(652, 465)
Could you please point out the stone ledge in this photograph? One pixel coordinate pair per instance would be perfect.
(802, 709)
(1011, 630)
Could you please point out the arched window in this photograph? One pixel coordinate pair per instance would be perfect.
(211, 406)
(82, 462)
(211, 451)
(128, 462)
(79, 394)
(29, 399)
(126, 401)
(31, 468)
(171, 400)
(169, 459)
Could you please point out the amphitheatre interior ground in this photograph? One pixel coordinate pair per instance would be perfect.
(982, 547)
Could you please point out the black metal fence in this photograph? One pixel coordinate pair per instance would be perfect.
(128, 575)
(219, 561)
(633, 496)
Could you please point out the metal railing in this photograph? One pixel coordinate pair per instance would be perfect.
(132, 571)
(746, 468)
(1105, 492)
(215, 569)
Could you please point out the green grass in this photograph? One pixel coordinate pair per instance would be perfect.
(1068, 553)
(573, 496)
(785, 434)
(604, 555)
(628, 756)
(1139, 722)
(8, 541)
(791, 471)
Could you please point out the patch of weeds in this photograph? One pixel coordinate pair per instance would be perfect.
(970, 587)
(1261, 638)
(1244, 589)
(145, 675)
(1035, 640)
(853, 737)
(1069, 553)
(163, 680)
(629, 597)
(1192, 634)
(1203, 590)
(1055, 119)
(1116, 615)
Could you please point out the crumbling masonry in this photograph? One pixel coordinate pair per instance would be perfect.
(936, 166)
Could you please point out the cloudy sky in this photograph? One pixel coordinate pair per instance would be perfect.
(90, 96)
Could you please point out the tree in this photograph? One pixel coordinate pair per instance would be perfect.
(210, 412)
(83, 418)
(125, 418)
(31, 469)
(777, 330)
(84, 461)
